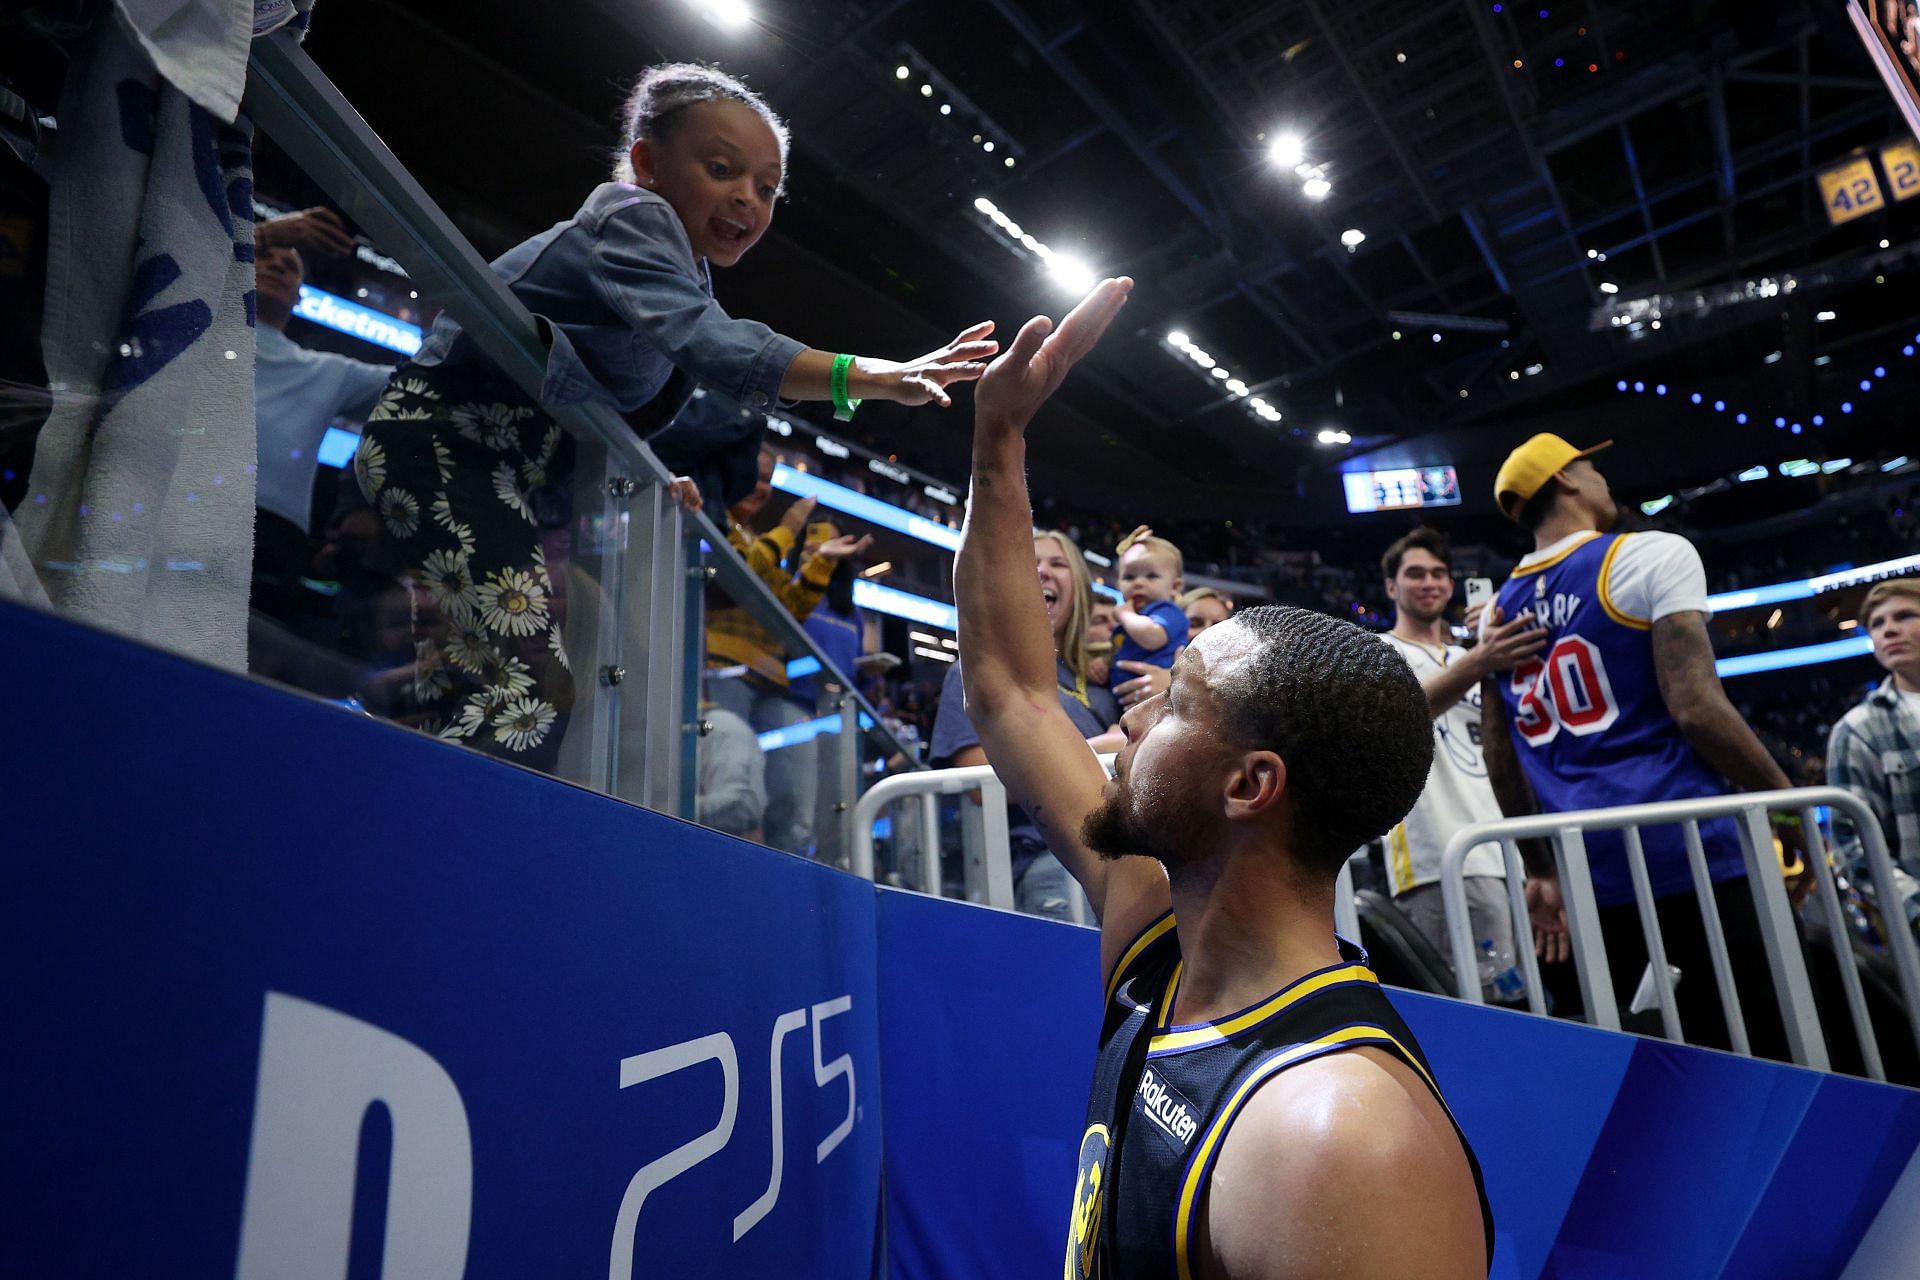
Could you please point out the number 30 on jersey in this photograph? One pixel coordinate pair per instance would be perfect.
(1567, 689)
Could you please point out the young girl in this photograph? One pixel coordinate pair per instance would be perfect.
(472, 479)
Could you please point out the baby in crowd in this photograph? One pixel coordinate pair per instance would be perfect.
(1149, 624)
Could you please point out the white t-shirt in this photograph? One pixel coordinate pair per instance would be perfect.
(297, 395)
(1457, 791)
(1652, 575)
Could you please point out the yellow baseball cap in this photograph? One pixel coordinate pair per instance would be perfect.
(1528, 468)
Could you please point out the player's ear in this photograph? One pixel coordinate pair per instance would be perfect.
(1258, 781)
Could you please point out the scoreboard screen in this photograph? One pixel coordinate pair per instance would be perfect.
(1402, 489)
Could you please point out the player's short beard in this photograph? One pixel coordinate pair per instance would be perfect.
(1169, 825)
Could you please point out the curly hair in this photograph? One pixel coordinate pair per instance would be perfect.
(1346, 714)
(663, 94)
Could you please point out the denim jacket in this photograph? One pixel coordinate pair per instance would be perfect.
(626, 303)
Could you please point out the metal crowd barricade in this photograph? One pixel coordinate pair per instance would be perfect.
(989, 863)
(989, 873)
(1785, 960)
(647, 633)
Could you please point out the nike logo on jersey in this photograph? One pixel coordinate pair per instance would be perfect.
(1172, 1113)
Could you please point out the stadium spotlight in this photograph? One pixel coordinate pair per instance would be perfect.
(1072, 273)
(1353, 238)
(728, 15)
(1287, 150)
(1316, 188)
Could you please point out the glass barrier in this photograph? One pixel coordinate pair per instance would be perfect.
(643, 575)
(431, 544)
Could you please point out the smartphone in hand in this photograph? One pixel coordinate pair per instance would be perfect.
(1480, 591)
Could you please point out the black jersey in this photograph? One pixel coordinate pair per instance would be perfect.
(1164, 1096)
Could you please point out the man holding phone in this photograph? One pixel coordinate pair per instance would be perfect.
(1419, 576)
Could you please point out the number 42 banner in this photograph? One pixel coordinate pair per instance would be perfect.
(1850, 190)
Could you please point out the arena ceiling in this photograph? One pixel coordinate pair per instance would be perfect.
(1505, 164)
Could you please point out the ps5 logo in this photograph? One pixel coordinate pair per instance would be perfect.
(320, 1070)
(718, 1047)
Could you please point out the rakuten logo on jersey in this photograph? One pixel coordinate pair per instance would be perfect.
(1166, 1108)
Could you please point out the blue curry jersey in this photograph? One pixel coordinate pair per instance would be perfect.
(1591, 728)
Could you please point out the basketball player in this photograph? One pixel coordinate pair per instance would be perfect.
(1625, 706)
(1258, 1110)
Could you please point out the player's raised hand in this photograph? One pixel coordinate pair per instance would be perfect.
(1019, 382)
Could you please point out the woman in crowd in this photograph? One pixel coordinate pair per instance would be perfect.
(472, 478)
(1040, 883)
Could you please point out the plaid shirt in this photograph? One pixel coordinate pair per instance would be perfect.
(1874, 752)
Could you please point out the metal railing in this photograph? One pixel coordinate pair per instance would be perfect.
(1786, 961)
(645, 629)
(988, 876)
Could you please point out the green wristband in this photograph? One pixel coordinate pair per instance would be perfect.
(843, 407)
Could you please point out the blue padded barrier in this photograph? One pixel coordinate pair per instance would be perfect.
(290, 991)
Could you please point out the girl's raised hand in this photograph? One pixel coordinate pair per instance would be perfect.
(927, 378)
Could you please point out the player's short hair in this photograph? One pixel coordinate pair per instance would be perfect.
(1892, 588)
(1159, 546)
(1432, 541)
(1346, 714)
(661, 97)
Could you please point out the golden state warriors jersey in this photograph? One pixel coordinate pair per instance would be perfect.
(1164, 1097)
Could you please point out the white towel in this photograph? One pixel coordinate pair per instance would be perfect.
(139, 515)
(200, 46)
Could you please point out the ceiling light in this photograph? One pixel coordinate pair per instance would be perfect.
(1399, 57)
(946, 108)
(1008, 162)
(1513, 375)
(1072, 272)
(987, 145)
(874, 571)
(1238, 387)
(926, 91)
(1316, 189)
(1608, 286)
(1287, 150)
(902, 72)
(1821, 317)
(729, 15)
(1219, 371)
(1178, 339)
(1886, 244)
(1352, 237)
(1332, 435)
(985, 206)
